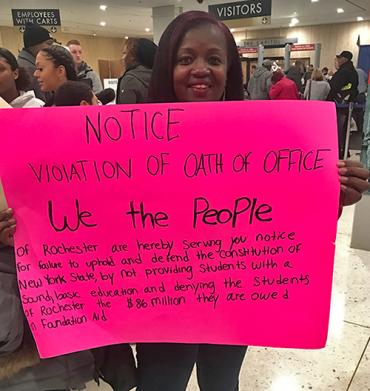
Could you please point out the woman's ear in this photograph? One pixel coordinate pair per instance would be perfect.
(62, 71)
(84, 103)
(16, 74)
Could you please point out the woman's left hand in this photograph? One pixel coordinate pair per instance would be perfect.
(353, 181)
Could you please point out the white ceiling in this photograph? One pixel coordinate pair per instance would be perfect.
(131, 17)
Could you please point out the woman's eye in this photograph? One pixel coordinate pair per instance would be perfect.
(215, 60)
(185, 60)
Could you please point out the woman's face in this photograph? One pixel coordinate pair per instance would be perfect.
(49, 77)
(201, 65)
(7, 77)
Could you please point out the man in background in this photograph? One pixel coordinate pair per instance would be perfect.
(260, 82)
(35, 38)
(84, 72)
(343, 90)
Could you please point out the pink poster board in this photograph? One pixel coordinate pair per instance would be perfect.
(194, 223)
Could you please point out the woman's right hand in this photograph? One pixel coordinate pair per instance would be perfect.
(7, 227)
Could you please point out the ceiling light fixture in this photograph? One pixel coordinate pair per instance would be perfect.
(233, 30)
(147, 29)
(360, 18)
(102, 24)
(314, 1)
(340, 10)
(294, 21)
(103, 7)
(126, 37)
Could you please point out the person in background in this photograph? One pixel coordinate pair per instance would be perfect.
(316, 88)
(344, 83)
(260, 82)
(54, 66)
(282, 87)
(325, 73)
(75, 93)
(307, 75)
(84, 71)
(295, 73)
(138, 58)
(359, 112)
(343, 90)
(14, 81)
(35, 38)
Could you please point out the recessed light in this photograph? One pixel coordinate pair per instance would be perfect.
(360, 18)
(294, 21)
(126, 37)
(147, 29)
(340, 10)
(103, 7)
(102, 24)
(94, 35)
(233, 30)
(314, 1)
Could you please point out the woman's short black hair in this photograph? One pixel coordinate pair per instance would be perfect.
(71, 93)
(61, 56)
(161, 87)
(23, 81)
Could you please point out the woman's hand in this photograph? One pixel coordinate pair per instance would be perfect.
(353, 181)
(7, 227)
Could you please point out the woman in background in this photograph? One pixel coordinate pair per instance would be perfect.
(138, 58)
(282, 88)
(316, 88)
(14, 81)
(54, 66)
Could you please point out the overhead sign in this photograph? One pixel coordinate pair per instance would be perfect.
(241, 9)
(165, 223)
(268, 42)
(247, 50)
(42, 17)
(303, 47)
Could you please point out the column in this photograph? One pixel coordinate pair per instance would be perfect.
(162, 16)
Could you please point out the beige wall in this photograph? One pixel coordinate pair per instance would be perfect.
(95, 48)
(333, 37)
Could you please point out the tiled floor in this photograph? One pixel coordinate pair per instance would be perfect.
(344, 365)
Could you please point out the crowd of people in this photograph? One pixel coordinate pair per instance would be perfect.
(196, 60)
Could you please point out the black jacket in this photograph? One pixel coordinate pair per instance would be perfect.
(344, 83)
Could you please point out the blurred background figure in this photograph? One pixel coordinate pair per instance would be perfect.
(282, 87)
(75, 93)
(260, 82)
(138, 58)
(84, 71)
(35, 38)
(316, 88)
(14, 81)
(295, 73)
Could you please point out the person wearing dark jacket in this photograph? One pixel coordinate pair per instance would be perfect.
(295, 73)
(35, 38)
(343, 89)
(138, 58)
(344, 83)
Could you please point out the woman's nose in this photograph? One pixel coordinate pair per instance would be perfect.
(200, 68)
